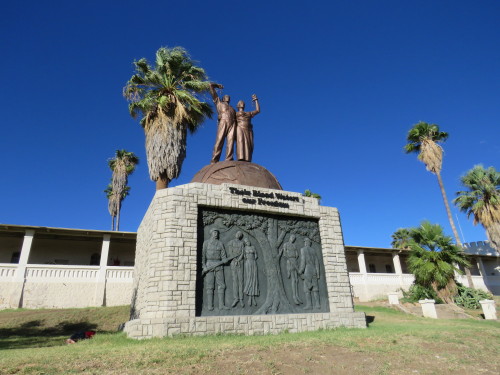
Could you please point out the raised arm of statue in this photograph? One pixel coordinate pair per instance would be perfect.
(257, 106)
(212, 88)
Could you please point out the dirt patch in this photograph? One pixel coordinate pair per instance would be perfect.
(330, 359)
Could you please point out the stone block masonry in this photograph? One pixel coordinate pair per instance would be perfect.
(165, 281)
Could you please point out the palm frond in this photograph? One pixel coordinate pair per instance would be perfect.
(482, 200)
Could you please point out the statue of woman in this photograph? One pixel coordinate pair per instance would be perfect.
(251, 280)
(244, 130)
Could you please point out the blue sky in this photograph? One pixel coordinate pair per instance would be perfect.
(339, 82)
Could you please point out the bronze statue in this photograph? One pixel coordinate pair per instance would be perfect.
(213, 258)
(226, 124)
(244, 130)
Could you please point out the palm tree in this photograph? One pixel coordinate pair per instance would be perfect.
(400, 239)
(423, 139)
(434, 259)
(168, 98)
(482, 200)
(122, 165)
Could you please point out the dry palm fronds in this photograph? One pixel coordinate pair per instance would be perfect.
(165, 146)
(431, 154)
(113, 204)
(119, 180)
(493, 234)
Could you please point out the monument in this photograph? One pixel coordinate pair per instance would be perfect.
(232, 252)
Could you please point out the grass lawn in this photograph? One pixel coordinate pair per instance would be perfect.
(32, 342)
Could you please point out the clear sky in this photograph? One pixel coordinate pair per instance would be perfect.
(339, 82)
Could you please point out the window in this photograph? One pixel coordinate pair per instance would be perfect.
(95, 259)
(15, 257)
(388, 268)
(372, 268)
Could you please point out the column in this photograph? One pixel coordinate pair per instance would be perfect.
(482, 271)
(361, 261)
(397, 263)
(362, 269)
(397, 267)
(101, 275)
(16, 297)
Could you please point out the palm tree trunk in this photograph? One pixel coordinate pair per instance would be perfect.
(112, 222)
(162, 182)
(452, 224)
(118, 217)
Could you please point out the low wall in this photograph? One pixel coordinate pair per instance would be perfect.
(371, 286)
(55, 286)
(49, 286)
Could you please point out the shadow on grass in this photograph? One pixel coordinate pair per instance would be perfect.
(33, 334)
(369, 319)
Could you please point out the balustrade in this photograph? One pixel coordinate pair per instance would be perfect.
(7, 271)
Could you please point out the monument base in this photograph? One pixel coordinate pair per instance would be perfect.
(289, 253)
(242, 324)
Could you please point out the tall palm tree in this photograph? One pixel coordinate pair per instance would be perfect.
(169, 100)
(423, 139)
(482, 200)
(122, 165)
(401, 238)
(434, 258)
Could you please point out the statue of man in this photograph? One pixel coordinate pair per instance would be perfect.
(236, 249)
(226, 124)
(244, 130)
(309, 268)
(213, 253)
(292, 256)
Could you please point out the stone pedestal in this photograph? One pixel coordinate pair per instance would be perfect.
(393, 298)
(428, 308)
(489, 309)
(170, 293)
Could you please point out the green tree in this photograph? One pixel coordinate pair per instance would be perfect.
(423, 139)
(309, 193)
(401, 238)
(168, 99)
(122, 165)
(434, 259)
(482, 200)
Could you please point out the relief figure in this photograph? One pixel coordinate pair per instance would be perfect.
(291, 254)
(309, 270)
(213, 259)
(235, 250)
(251, 279)
(244, 130)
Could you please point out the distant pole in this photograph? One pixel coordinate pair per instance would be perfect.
(460, 227)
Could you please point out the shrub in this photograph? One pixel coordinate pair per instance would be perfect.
(469, 298)
(418, 292)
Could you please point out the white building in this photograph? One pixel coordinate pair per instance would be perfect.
(43, 267)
